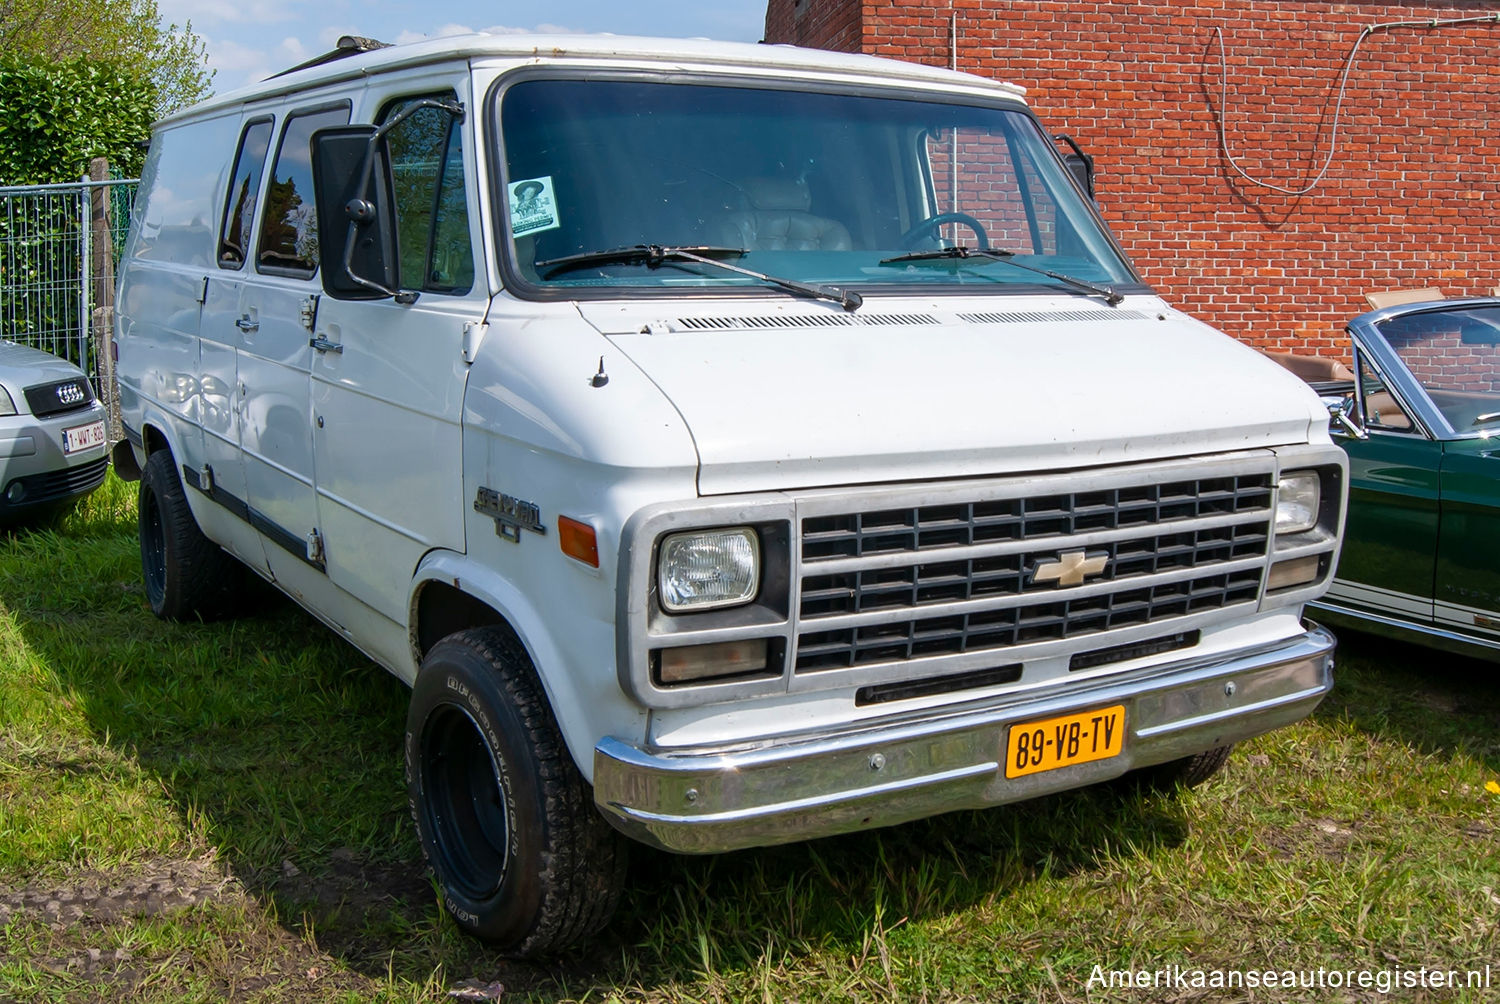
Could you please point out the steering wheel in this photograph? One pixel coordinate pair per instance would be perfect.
(927, 226)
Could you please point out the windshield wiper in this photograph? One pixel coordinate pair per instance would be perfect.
(1110, 295)
(656, 255)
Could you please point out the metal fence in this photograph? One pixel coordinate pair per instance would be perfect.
(47, 263)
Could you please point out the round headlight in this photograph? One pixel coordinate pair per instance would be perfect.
(1297, 500)
(705, 569)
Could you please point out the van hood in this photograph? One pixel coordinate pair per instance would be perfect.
(798, 396)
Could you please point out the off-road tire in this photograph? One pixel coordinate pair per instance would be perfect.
(187, 576)
(521, 855)
(1189, 772)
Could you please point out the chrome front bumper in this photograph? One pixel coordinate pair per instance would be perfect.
(707, 801)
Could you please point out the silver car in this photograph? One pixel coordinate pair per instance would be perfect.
(53, 442)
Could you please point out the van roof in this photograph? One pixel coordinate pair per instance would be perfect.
(677, 52)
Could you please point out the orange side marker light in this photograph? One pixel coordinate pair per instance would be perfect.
(578, 540)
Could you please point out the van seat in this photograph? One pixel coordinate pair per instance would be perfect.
(777, 219)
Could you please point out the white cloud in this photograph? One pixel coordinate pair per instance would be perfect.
(238, 65)
(232, 59)
(293, 51)
(227, 11)
(442, 31)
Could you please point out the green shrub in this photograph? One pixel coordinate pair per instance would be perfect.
(56, 116)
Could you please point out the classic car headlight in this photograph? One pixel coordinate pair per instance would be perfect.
(1297, 502)
(7, 406)
(707, 569)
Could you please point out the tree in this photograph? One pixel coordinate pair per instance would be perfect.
(123, 31)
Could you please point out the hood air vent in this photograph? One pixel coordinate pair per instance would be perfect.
(801, 321)
(1052, 317)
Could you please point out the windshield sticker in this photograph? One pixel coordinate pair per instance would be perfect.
(532, 208)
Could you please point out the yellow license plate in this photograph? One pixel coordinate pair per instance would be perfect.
(1061, 742)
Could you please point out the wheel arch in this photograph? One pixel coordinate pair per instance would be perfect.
(154, 437)
(451, 592)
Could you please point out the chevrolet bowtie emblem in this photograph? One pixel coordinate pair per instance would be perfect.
(1070, 568)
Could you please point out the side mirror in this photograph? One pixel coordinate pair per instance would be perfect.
(356, 210)
(1079, 164)
(1342, 417)
(356, 228)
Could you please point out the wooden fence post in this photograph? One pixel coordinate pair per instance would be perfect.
(102, 320)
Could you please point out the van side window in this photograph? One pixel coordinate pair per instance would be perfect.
(432, 218)
(244, 185)
(289, 230)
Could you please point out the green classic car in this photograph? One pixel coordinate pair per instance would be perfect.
(1419, 416)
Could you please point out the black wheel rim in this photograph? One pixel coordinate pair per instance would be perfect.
(463, 804)
(153, 548)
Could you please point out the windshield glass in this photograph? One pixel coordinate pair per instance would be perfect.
(813, 187)
(1455, 355)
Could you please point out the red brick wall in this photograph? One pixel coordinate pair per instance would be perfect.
(820, 24)
(1409, 200)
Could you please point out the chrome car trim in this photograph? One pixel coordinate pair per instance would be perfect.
(1393, 627)
(1392, 600)
(693, 800)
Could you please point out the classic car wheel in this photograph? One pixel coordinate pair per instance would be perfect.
(1189, 772)
(506, 822)
(187, 575)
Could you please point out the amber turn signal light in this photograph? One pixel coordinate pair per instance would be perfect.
(577, 540)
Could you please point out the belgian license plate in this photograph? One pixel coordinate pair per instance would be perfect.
(81, 437)
(1061, 742)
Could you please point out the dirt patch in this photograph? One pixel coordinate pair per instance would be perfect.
(149, 889)
(1328, 837)
(81, 915)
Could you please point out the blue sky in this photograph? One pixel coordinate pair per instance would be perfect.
(251, 39)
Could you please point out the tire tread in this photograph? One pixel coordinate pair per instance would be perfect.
(585, 858)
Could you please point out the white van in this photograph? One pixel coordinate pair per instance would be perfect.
(730, 444)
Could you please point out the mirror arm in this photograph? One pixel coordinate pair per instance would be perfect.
(1085, 159)
(1338, 413)
(361, 211)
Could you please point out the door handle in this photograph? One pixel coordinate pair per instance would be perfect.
(245, 324)
(324, 345)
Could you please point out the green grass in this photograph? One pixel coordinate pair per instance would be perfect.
(217, 812)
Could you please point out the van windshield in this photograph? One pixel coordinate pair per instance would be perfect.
(820, 188)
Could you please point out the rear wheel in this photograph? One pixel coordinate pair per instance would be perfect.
(187, 575)
(506, 821)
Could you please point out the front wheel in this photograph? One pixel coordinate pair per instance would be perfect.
(1188, 772)
(507, 823)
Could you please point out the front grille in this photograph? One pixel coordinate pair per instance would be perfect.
(895, 584)
(57, 398)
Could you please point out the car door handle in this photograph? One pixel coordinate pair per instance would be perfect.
(324, 345)
(245, 324)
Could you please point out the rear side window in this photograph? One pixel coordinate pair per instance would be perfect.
(432, 217)
(289, 230)
(239, 201)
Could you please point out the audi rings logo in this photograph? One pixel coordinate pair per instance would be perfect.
(70, 393)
